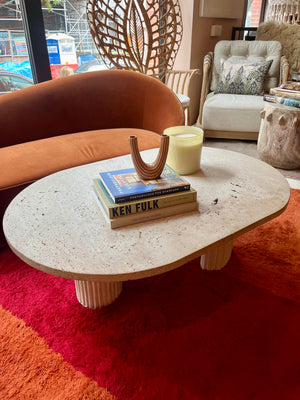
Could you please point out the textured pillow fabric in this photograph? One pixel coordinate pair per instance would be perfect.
(243, 77)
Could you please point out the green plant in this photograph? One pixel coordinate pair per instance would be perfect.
(50, 3)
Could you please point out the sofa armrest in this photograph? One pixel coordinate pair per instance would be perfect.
(284, 69)
(188, 83)
(207, 69)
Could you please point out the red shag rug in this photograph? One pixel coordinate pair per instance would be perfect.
(186, 334)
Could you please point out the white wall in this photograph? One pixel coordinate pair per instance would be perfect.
(196, 41)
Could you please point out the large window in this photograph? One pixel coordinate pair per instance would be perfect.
(57, 34)
(255, 12)
(70, 45)
(253, 15)
(15, 69)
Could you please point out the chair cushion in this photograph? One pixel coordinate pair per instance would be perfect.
(242, 77)
(26, 162)
(252, 51)
(230, 112)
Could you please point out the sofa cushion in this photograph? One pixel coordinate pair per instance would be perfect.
(242, 77)
(24, 163)
(230, 112)
(252, 51)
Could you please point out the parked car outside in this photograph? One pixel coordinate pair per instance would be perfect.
(10, 82)
(93, 65)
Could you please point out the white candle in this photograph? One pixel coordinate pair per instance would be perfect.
(184, 148)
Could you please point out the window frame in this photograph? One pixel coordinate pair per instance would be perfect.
(262, 11)
(36, 40)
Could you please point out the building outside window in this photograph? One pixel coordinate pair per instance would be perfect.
(69, 41)
(254, 13)
(15, 70)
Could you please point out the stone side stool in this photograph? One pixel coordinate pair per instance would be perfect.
(279, 136)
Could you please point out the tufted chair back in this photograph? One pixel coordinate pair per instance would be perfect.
(254, 51)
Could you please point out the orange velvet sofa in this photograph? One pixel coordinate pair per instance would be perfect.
(77, 120)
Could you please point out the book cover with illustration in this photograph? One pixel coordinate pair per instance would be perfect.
(287, 101)
(114, 210)
(125, 185)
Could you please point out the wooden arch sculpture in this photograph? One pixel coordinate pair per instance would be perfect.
(136, 35)
(153, 170)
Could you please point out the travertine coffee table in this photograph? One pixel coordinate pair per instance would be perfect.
(55, 224)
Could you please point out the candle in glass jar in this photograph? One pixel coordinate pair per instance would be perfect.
(185, 148)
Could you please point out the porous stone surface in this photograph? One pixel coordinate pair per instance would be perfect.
(55, 224)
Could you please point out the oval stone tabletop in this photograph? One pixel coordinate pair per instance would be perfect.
(55, 224)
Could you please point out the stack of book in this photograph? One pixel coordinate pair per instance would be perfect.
(125, 199)
(287, 94)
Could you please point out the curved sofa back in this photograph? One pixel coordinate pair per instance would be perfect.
(83, 102)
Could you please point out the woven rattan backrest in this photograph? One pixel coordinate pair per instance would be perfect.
(137, 35)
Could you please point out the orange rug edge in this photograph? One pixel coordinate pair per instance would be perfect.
(30, 369)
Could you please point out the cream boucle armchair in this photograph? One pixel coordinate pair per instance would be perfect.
(237, 116)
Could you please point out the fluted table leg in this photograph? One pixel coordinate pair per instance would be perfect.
(97, 294)
(217, 256)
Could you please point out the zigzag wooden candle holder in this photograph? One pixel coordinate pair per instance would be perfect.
(149, 170)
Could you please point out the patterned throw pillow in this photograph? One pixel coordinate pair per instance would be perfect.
(243, 77)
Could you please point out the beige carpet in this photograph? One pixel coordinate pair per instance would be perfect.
(249, 147)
